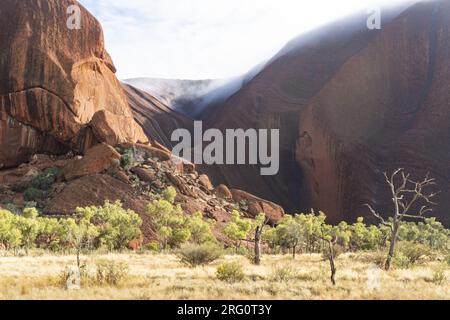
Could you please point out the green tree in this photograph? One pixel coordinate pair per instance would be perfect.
(10, 235)
(237, 229)
(200, 229)
(171, 224)
(116, 226)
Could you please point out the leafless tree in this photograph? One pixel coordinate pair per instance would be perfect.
(407, 196)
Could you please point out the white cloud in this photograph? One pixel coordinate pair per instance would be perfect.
(200, 39)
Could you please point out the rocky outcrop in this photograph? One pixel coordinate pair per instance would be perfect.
(58, 90)
(97, 159)
(350, 104)
(256, 205)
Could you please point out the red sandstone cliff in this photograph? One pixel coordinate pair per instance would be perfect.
(58, 90)
(351, 103)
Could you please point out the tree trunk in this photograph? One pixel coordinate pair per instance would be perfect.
(78, 260)
(332, 265)
(294, 252)
(391, 253)
(258, 232)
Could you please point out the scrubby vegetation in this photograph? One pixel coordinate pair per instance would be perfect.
(191, 239)
(199, 255)
(110, 226)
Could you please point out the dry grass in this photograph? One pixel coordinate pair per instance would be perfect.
(154, 276)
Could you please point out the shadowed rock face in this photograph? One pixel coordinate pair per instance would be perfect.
(156, 118)
(54, 81)
(351, 103)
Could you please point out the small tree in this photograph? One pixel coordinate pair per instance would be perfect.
(81, 235)
(407, 196)
(170, 222)
(200, 229)
(29, 227)
(237, 229)
(290, 233)
(116, 225)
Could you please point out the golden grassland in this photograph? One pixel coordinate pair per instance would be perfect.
(163, 276)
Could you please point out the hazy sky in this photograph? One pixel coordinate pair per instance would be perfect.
(198, 39)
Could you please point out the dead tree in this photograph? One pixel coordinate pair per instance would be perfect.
(258, 235)
(330, 253)
(407, 196)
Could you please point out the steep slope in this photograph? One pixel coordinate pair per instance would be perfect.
(58, 90)
(156, 118)
(351, 103)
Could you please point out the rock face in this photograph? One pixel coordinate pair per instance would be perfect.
(350, 104)
(157, 118)
(58, 90)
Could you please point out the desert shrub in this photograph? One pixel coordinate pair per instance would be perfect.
(74, 276)
(197, 255)
(127, 159)
(448, 259)
(430, 232)
(284, 273)
(439, 276)
(33, 194)
(111, 272)
(45, 180)
(230, 272)
(410, 253)
(152, 246)
(169, 194)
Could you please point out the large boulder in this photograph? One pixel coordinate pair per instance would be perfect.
(96, 160)
(58, 90)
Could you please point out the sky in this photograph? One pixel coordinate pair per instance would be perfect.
(207, 39)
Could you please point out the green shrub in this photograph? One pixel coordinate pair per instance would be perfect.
(284, 274)
(111, 272)
(169, 194)
(45, 180)
(410, 253)
(230, 272)
(414, 251)
(33, 194)
(127, 160)
(152, 246)
(196, 255)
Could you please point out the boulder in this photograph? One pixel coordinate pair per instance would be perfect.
(204, 181)
(96, 160)
(152, 152)
(257, 205)
(223, 192)
(146, 175)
